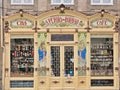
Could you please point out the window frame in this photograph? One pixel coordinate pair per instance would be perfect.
(62, 2)
(101, 3)
(22, 3)
(31, 64)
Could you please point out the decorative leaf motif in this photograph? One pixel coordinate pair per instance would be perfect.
(42, 23)
(81, 23)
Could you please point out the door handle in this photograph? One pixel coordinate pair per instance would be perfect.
(76, 68)
(87, 68)
(69, 81)
(42, 82)
(47, 69)
(55, 82)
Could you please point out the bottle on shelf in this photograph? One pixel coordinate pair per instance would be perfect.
(101, 57)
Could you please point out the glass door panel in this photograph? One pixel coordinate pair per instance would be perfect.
(62, 61)
(68, 61)
(55, 61)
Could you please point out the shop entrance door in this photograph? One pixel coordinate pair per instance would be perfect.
(62, 66)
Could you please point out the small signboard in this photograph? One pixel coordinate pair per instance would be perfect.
(21, 23)
(101, 23)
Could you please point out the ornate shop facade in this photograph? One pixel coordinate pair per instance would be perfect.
(60, 51)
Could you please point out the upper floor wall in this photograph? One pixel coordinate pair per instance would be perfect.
(85, 6)
(112, 7)
(0, 8)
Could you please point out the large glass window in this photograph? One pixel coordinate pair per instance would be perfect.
(101, 56)
(101, 2)
(22, 57)
(62, 2)
(22, 2)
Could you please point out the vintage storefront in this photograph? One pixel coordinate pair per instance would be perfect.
(60, 51)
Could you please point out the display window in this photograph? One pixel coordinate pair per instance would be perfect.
(22, 57)
(102, 55)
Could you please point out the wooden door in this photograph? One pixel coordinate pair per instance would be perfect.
(62, 72)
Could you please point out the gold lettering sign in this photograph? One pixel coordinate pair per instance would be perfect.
(101, 23)
(62, 21)
(21, 23)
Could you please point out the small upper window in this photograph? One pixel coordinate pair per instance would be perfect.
(22, 2)
(101, 2)
(66, 2)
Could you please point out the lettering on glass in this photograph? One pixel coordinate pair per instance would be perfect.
(102, 82)
(101, 23)
(21, 23)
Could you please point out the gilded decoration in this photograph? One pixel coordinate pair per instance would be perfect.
(101, 23)
(61, 21)
(21, 23)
